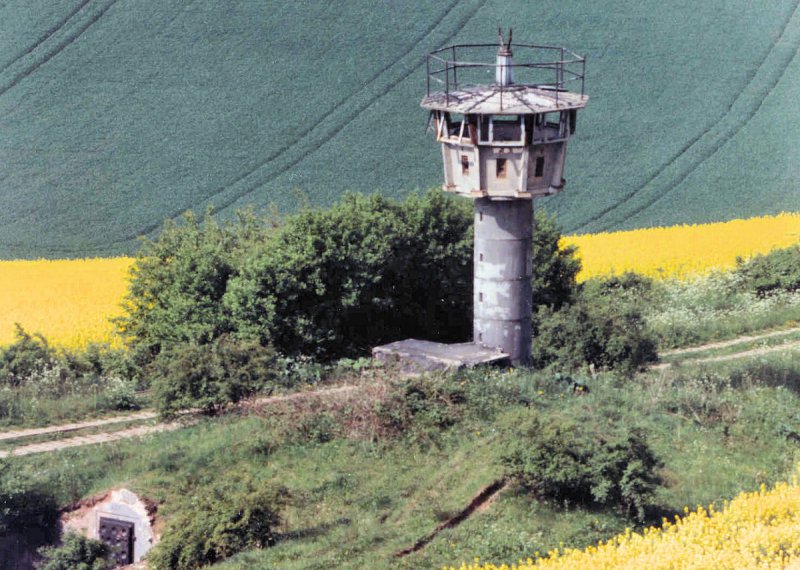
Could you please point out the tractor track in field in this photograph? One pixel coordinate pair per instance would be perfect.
(745, 352)
(185, 419)
(302, 137)
(760, 351)
(60, 47)
(330, 135)
(313, 146)
(44, 37)
(725, 137)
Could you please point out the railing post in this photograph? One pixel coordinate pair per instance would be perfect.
(428, 74)
(583, 75)
(447, 82)
(455, 76)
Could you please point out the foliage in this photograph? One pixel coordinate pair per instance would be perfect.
(334, 282)
(25, 505)
(777, 271)
(41, 384)
(564, 460)
(76, 553)
(177, 284)
(603, 328)
(555, 266)
(215, 522)
(210, 376)
(713, 307)
(29, 355)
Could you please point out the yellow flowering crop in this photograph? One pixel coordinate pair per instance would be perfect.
(68, 301)
(683, 251)
(754, 530)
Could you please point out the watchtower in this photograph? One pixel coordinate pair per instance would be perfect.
(504, 143)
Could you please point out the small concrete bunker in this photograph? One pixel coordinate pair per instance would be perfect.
(503, 126)
(120, 519)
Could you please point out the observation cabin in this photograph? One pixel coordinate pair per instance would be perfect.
(503, 116)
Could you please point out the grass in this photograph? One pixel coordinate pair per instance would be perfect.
(713, 308)
(785, 338)
(356, 500)
(139, 116)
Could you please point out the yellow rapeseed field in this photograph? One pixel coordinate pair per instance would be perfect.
(683, 251)
(754, 530)
(68, 301)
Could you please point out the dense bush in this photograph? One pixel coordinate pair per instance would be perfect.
(210, 376)
(177, 283)
(25, 507)
(337, 281)
(28, 356)
(232, 515)
(327, 283)
(778, 270)
(601, 328)
(76, 553)
(570, 462)
(554, 268)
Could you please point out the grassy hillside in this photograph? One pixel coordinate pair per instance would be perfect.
(115, 115)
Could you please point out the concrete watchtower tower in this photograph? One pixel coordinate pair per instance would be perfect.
(503, 125)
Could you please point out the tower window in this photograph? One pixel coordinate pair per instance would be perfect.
(501, 167)
(480, 257)
(464, 164)
(480, 297)
(539, 170)
(480, 216)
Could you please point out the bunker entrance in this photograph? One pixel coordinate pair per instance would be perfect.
(118, 535)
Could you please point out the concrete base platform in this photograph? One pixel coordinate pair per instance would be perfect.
(417, 356)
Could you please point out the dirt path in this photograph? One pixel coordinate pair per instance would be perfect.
(90, 439)
(736, 355)
(56, 445)
(64, 428)
(732, 342)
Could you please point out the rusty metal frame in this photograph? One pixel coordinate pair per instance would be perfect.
(444, 61)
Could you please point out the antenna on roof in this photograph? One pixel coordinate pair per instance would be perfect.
(505, 48)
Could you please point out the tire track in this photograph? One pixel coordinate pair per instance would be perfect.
(52, 30)
(353, 115)
(60, 249)
(692, 142)
(302, 137)
(61, 46)
(722, 143)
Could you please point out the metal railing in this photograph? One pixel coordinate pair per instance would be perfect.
(544, 67)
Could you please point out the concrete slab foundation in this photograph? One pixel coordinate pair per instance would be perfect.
(418, 356)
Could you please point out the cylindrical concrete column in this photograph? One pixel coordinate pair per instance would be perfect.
(502, 293)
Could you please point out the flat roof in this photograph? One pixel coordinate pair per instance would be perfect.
(504, 100)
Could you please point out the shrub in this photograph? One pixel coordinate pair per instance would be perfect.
(177, 283)
(554, 268)
(76, 553)
(24, 507)
(601, 334)
(28, 356)
(328, 283)
(211, 376)
(214, 523)
(337, 281)
(778, 270)
(566, 461)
